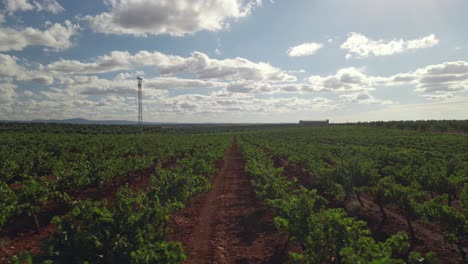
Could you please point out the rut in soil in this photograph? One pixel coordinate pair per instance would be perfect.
(229, 224)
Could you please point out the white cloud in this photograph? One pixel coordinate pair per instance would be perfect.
(12, 71)
(439, 82)
(52, 6)
(166, 83)
(57, 37)
(42, 79)
(225, 102)
(115, 61)
(9, 68)
(226, 69)
(435, 79)
(177, 18)
(305, 49)
(239, 86)
(250, 87)
(93, 85)
(28, 93)
(96, 98)
(352, 85)
(363, 98)
(198, 63)
(12, 6)
(344, 81)
(360, 46)
(7, 91)
(439, 96)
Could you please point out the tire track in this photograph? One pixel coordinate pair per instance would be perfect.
(229, 224)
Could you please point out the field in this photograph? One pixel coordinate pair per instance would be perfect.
(365, 193)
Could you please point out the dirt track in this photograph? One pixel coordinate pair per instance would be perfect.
(228, 224)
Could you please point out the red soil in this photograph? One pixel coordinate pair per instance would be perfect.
(229, 224)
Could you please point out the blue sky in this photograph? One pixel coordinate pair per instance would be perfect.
(234, 60)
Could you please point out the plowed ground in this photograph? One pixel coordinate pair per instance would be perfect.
(229, 224)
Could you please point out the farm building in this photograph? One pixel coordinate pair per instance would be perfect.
(314, 122)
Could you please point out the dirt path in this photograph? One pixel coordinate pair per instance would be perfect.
(228, 224)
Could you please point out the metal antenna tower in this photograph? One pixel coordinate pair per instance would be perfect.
(140, 103)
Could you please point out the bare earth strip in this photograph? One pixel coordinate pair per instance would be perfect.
(229, 224)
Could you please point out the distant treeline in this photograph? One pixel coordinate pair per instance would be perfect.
(420, 125)
(95, 129)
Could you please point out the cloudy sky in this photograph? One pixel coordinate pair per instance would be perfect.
(234, 60)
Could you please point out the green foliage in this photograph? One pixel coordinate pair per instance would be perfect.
(417, 258)
(390, 166)
(326, 235)
(75, 162)
(22, 258)
(454, 221)
(32, 194)
(132, 230)
(366, 250)
(8, 203)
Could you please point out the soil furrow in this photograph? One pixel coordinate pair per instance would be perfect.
(229, 224)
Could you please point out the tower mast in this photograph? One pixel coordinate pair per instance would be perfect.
(140, 103)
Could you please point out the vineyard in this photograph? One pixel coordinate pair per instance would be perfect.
(337, 194)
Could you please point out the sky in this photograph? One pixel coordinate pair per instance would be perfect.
(232, 61)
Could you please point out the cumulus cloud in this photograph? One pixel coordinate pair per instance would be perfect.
(435, 79)
(42, 79)
(49, 6)
(225, 102)
(198, 63)
(363, 98)
(238, 85)
(7, 91)
(56, 37)
(115, 61)
(360, 46)
(177, 18)
(305, 49)
(344, 80)
(227, 69)
(12, 71)
(439, 96)
(102, 98)
(12, 6)
(28, 93)
(52, 6)
(125, 85)
(166, 83)
(250, 87)
(9, 67)
(439, 81)
(352, 85)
